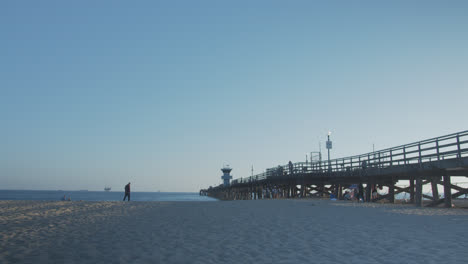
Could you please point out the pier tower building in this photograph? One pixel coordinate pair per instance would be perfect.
(226, 176)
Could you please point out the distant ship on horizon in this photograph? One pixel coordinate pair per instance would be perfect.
(107, 189)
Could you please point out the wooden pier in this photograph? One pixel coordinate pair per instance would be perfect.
(434, 162)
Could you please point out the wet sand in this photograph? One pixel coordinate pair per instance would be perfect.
(259, 231)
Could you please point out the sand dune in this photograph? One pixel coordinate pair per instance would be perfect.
(262, 231)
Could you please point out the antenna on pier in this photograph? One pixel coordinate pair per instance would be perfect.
(252, 170)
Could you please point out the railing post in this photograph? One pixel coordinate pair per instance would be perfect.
(458, 146)
(391, 158)
(437, 148)
(380, 165)
(419, 151)
(404, 155)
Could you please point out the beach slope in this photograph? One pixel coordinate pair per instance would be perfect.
(258, 231)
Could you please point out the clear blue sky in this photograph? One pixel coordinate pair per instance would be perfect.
(163, 93)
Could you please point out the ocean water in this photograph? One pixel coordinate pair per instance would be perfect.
(100, 196)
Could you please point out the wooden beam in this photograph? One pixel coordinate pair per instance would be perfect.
(461, 191)
(401, 189)
(427, 196)
(458, 188)
(453, 196)
(321, 190)
(380, 198)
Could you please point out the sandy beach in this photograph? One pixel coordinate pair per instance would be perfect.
(258, 231)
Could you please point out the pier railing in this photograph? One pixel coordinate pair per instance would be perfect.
(452, 146)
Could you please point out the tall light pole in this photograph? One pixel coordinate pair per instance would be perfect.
(329, 146)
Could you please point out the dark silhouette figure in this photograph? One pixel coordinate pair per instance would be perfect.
(364, 165)
(361, 192)
(127, 192)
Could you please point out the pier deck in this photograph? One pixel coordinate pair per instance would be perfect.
(433, 161)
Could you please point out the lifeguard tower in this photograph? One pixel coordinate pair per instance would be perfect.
(226, 176)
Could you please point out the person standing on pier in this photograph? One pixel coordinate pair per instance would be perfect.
(127, 192)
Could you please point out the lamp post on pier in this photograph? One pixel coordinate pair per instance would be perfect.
(329, 146)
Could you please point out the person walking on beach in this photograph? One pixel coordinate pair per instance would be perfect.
(127, 192)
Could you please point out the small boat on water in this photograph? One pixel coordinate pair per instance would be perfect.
(107, 189)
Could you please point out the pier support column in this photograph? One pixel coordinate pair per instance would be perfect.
(391, 192)
(368, 192)
(418, 195)
(340, 192)
(411, 187)
(447, 192)
(435, 191)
